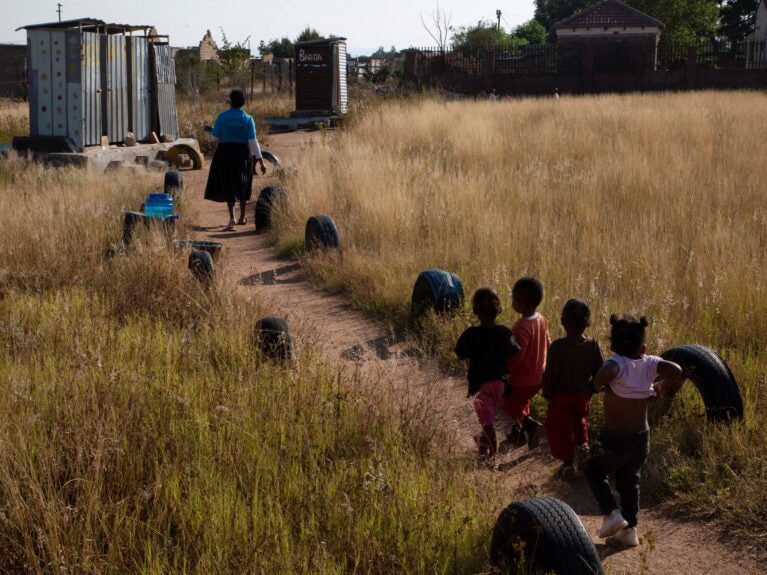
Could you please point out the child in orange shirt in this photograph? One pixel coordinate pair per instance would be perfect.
(531, 332)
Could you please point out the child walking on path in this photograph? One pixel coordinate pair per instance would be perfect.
(487, 347)
(531, 333)
(624, 442)
(571, 365)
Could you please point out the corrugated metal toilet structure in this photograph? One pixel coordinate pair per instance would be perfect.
(321, 88)
(89, 79)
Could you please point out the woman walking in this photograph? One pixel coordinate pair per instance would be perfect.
(231, 173)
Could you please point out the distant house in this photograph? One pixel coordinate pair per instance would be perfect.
(622, 37)
(208, 47)
(756, 48)
(13, 70)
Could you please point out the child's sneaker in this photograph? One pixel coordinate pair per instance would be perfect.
(534, 433)
(581, 456)
(627, 536)
(611, 524)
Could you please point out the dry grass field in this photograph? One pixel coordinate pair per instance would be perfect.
(653, 204)
(142, 431)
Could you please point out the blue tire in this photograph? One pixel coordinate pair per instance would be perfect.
(436, 290)
(321, 233)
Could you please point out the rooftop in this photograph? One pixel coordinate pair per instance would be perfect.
(609, 14)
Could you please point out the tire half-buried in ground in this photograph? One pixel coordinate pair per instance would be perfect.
(436, 290)
(264, 206)
(174, 183)
(543, 535)
(713, 378)
(201, 265)
(321, 232)
(273, 336)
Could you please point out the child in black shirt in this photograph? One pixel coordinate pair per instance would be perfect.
(487, 347)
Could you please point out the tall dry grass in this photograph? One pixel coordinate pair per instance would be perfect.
(142, 432)
(14, 119)
(644, 203)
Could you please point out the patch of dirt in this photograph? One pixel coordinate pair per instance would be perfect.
(366, 346)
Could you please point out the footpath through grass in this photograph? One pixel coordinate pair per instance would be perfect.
(651, 204)
(142, 432)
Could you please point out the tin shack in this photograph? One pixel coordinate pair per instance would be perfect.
(321, 88)
(89, 79)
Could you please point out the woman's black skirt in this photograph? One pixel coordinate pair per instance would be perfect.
(231, 174)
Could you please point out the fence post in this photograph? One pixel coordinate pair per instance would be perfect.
(410, 65)
(489, 69)
(692, 67)
(587, 68)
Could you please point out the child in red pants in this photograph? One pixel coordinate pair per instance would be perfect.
(531, 333)
(487, 347)
(571, 366)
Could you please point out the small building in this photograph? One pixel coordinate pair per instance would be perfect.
(208, 47)
(321, 83)
(89, 79)
(13, 70)
(621, 37)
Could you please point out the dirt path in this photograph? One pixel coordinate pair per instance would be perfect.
(362, 344)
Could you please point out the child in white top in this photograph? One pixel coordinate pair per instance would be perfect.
(628, 380)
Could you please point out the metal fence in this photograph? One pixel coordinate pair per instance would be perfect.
(607, 56)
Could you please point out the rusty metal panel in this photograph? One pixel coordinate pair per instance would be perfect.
(343, 89)
(40, 96)
(90, 70)
(314, 78)
(116, 99)
(165, 97)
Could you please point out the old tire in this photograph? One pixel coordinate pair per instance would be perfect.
(130, 221)
(195, 155)
(174, 183)
(543, 535)
(264, 205)
(201, 265)
(713, 378)
(436, 290)
(273, 336)
(321, 232)
(271, 158)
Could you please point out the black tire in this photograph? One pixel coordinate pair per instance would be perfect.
(273, 336)
(271, 158)
(174, 183)
(130, 220)
(201, 265)
(543, 535)
(436, 290)
(264, 205)
(713, 378)
(321, 232)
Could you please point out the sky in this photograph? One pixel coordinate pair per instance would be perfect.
(367, 24)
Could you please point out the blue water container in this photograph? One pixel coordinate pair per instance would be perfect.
(158, 206)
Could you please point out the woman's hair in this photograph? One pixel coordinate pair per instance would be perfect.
(576, 314)
(627, 335)
(237, 98)
(486, 301)
(531, 290)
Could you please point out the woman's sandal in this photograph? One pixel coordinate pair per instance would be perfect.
(229, 228)
(242, 221)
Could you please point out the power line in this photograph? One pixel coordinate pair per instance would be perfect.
(60, 6)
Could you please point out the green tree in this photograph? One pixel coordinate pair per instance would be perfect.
(194, 75)
(532, 32)
(484, 34)
(548, 12)
(737, 19)
(234, 59)
(309, 34)
(282, 48)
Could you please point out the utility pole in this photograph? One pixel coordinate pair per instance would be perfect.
(498, 15)
(60, 6)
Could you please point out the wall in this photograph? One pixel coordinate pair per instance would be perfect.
(13, 62)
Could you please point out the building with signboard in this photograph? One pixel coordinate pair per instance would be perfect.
(321, 69)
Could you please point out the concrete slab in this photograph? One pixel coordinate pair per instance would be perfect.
(98, 159)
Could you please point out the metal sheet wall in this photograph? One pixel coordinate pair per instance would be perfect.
(140, 87)
(341, 70)
(315, 83)
(40, 98)
(90, 56)
(165, 81)
(115, 68)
